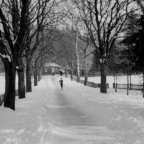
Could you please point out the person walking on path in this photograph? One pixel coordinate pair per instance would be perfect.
(61, 83)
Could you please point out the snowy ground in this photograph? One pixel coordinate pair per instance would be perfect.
(76, 115)
(135, 79)
(2, 83)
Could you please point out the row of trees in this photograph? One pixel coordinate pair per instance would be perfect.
(74, 54)
(130, 47)
(104, 25)
(26, 31)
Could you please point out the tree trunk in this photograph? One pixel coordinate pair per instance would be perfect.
(115, 83)
(86, 74)
(86, 79)
(127, 82)
(103, 87)
(77, 57)
(66, 73)
(21, 83)
(39, 75)
(10, 74)
(21, 80)
(28, 75)
(130, 81)
(72, 74)
(143, 83)
(35, 78)
(78, 77)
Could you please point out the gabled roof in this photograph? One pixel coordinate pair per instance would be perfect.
(49, 64)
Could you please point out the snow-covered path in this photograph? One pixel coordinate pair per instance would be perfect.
(75, 115)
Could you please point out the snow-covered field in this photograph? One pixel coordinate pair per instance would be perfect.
(76, 115)
(2, 83)
(135, 79)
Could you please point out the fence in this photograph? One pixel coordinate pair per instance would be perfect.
(131, 86)
(91, 84)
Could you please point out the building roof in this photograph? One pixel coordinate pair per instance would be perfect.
(50, 64)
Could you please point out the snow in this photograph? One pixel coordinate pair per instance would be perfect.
(135, 79)
(6, 56)
(76, 115)
(2, 86)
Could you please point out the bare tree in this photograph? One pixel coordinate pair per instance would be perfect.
(86, 49)
(44, 18)
(45, 52)
(139, 3)
(74, 23)
(68, 55)
(40, 16)
(21, 21)
(104, 22)
(71, 23)
(14, 24)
